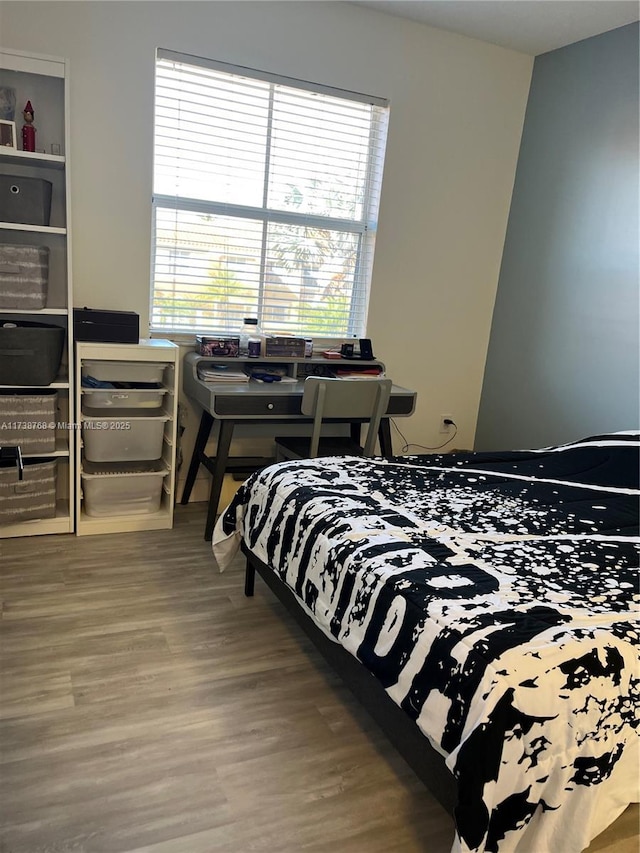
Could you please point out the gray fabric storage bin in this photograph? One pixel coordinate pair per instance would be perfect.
(24, 276)
(32, 497)
(30, 353)
(25, 200)
(29, 420)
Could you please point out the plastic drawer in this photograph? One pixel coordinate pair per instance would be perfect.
(123, 439)
(121, 398)
(122, 489)
(124, 371)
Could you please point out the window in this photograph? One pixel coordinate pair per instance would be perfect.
(265, 201)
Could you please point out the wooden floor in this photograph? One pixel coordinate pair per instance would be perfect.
(146, 705)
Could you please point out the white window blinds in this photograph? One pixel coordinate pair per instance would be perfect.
(265, 201)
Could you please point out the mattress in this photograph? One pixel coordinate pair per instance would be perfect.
(495, 598)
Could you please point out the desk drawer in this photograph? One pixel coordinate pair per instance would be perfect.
(245, 406)
(401, 405)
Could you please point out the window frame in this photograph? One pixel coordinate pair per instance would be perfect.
(364, 228)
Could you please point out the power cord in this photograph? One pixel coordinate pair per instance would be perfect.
(406, 444)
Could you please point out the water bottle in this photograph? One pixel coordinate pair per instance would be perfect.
(250, 329)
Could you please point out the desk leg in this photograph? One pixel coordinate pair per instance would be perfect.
(206, 422)
(220, 466)
(384, 437)
(356, 433)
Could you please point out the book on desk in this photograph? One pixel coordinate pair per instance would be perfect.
(220, 373)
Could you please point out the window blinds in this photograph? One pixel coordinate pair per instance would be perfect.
(265, 201)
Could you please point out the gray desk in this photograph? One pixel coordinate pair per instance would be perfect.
(260, 403)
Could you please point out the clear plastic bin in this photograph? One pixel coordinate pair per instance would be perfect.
(122, 439)
(120, 489)
(124, 371)
(121, 398)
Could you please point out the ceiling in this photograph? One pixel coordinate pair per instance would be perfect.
(530, 26)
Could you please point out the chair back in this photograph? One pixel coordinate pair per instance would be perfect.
(365, 399)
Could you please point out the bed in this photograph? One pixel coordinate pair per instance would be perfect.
(493, 598)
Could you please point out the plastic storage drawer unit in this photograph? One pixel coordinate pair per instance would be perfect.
(123, 439)
(122, 398)
(24, 276)
(29, 420)
(32, 497)
(123, 371)
(121, 489)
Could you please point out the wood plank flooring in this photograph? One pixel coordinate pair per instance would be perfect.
(146, 705)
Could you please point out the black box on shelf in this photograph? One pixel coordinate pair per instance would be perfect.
(26, 201)
(283, 346)
(222, 347)
(108, 327)
(31, 353)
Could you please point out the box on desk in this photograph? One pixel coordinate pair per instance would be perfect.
(282, 346)
(214, 345)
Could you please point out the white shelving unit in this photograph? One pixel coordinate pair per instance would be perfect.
(45, 82)
(113, 359)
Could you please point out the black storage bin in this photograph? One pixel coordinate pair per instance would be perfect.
(110, 327)
(25, 200)
(30, 353)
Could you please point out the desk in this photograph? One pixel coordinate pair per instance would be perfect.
(259, 403)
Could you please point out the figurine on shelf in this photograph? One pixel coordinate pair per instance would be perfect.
(28, 130)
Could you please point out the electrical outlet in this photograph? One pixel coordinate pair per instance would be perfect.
(446, 428)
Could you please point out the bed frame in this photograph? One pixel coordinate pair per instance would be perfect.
(403, 733)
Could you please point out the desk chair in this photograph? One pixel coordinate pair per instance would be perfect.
(344, 399)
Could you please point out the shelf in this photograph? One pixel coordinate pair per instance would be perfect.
(44, 80)
(284, 359)
(89, 525)
(61, 382)
(61, 312)
(62, 523)
(33, 229)
(30, 158)
(62, 449)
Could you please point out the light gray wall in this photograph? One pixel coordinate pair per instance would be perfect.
(457, 111)
(563, 359)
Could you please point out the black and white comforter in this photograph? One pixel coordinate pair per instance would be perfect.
(495, 597)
